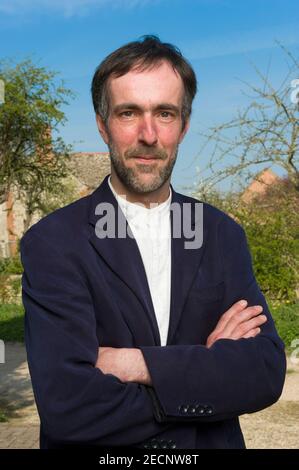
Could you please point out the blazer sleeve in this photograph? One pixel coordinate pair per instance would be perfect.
(192, 382)
(77, 403)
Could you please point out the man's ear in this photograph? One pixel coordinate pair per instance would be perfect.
(102, 129)
(184, 131)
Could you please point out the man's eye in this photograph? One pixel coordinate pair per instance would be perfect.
(166, 114)
(126, 114)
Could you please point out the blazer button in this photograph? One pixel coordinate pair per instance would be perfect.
(183, 409)
(208, 410)
(154, 444)
(200, 410)
(171, 444)
(164, 444)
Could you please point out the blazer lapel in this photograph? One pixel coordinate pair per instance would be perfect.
(184, 261)
(122, 254)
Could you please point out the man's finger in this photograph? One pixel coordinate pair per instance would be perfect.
(243, 328)
(252, 333)
(242, 317)
(233, 310)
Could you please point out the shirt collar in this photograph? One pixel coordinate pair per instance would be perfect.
(133, 210)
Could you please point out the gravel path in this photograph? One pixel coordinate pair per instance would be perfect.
(276, 427)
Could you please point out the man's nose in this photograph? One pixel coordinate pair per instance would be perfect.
(147, 132)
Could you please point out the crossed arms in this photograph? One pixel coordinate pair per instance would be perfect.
(128, 364)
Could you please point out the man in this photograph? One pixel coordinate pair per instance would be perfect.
(135, 338)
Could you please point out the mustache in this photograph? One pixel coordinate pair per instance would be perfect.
(153, 151)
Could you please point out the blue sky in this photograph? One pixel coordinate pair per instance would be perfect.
(221, 39)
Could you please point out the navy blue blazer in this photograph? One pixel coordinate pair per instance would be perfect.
(81, 292)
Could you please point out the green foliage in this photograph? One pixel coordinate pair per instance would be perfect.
(10, 288)
(286, 319)
(10, 279)
(32, 160)
(3, 417)
(271, 225)
(4, 288)
(32, 107)
(274, 251)
(16, 286)
(11, 265)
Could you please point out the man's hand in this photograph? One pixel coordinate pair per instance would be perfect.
(127, 364)
(238, 322)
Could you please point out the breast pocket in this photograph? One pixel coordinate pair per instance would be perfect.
(208, 293)
(203, 310)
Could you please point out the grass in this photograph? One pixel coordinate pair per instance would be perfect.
(12, 322)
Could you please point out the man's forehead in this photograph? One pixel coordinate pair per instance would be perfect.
(154, 84)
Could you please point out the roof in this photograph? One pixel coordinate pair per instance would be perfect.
(260, 184)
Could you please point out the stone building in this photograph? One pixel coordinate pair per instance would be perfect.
(87, 171)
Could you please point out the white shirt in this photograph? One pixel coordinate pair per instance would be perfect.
(152, 232)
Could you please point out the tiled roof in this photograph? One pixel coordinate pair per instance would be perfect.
(260, 184)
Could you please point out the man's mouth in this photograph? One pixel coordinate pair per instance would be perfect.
(146, 158)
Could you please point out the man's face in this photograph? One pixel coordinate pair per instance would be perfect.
(144, 128)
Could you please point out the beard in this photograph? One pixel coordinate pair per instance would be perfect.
(132, 179)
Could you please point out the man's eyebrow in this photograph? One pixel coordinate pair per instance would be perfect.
(121, 107)
(168, 106)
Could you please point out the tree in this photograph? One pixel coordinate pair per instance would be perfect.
(58, 191)
(271, 224)
(32, 161)
(266, 132)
